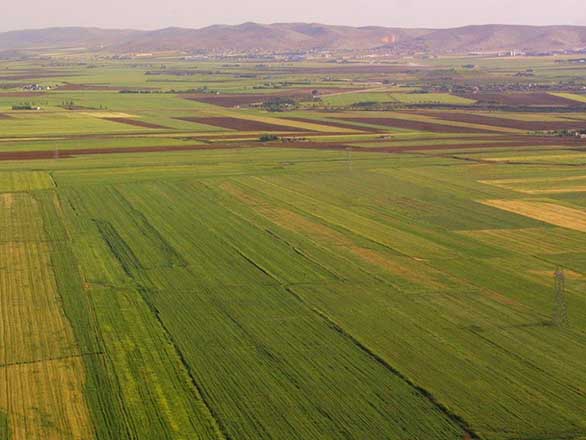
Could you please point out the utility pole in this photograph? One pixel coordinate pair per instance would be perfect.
(560, 311)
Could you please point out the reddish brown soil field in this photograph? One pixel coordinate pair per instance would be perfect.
(20, 94)
(4, 116)
(240, 124)
(521, 99)
(336, 124)
(67, 154)
(502, 122)
(135, 123)
(99, 87)
(226, 100)
(417, 125)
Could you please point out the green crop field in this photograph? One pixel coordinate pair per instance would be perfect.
(181, 262)
(346, 99)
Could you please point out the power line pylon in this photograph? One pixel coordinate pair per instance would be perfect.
(560, 311)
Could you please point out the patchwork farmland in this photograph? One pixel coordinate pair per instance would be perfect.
(318, 261)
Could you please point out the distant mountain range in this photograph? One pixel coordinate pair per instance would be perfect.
(301, 37)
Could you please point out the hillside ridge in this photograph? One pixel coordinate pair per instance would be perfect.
(303, 37)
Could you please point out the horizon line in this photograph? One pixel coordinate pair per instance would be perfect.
(154, 29)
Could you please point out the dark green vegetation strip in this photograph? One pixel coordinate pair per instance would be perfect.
(4, 427)
(101, 390)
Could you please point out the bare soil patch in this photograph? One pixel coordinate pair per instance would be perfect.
(240, 124)
(503, 122)
(66, 154)
(336, 124)
(417, 125)
(21, 94)
(535, 99)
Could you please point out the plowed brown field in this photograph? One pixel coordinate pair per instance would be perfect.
(240, 124)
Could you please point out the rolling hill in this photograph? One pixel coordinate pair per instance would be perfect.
(66, 37)
(302, 36)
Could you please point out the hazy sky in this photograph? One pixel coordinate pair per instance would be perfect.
(151, 14)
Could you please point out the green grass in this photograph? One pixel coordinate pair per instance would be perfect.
(277, 293)
(320, 268)
(4, 427)
(159, 275)
(25, 181)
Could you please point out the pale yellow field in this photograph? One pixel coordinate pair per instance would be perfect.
(572, 96)
(35, 327)
(570, 189)
(546, 212)
(545, 158)
(101, 115)
(25, 181)
(41, 371)
(44, 400)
